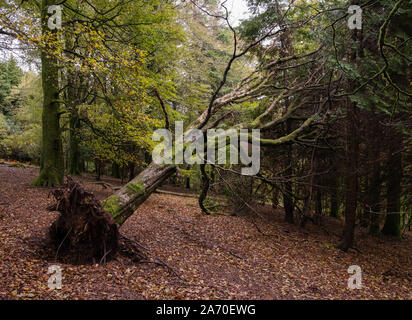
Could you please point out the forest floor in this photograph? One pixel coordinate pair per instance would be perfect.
(218, 257)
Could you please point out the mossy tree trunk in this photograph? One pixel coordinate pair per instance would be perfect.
(124, 202)
(52, 163)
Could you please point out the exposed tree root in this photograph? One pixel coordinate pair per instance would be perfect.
(84, 232)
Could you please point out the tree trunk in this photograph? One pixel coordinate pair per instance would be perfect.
(318, 207)
(124, 202)
(205, 189)
(98, 165)
(52, 162)
(334, 194)
(115, 170)
(74, 164)
(392, 225)
(375, 184)
(374, 200)
(73, 98)
(352, 150)
(275, 198)
(287, 50)
(287, 195)
(131, 170)
(318, 181)
(288, 202)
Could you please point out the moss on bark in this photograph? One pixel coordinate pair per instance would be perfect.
(112, 206)
(52, 164)
(136, 188)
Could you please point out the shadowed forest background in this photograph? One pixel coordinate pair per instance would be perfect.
(78, 107)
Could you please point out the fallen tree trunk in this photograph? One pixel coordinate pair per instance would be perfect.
(125, 201)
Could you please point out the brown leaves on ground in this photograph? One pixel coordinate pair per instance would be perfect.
(219, 257)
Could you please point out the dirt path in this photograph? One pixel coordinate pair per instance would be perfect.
(220, 257)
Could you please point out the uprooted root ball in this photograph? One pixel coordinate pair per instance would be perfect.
(84, 232)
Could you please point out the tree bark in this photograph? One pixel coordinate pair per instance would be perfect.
(288, 193)
(351, 167)
(318, 207)
(334, 193)
(318, 179)
(74, 163)
(392, 225)
(98, 167)
(375, 184)
(352, 151)
(287, 49)
(115, 170)
(52, 162)
(131, 170)
(374, 199)
(125, 201)
(205, 189)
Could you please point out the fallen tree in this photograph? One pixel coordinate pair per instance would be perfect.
(87, 225)
(125, 201)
